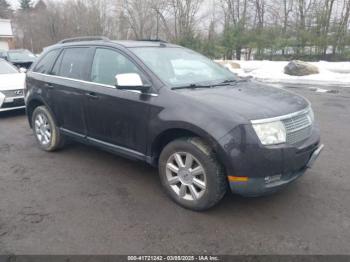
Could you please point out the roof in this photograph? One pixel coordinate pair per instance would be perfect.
(5, 28)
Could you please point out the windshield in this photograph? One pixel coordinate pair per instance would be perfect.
(6, 68)
(182, 67)
(23, 55)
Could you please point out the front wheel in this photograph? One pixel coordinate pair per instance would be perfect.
(191, 174)
(45, 130)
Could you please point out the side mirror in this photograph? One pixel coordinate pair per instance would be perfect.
(23, 70)
(131, 81)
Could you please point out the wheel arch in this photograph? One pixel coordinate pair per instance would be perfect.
(166, 136)
(30, 107)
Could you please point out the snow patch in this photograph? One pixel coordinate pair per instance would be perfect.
(331, 73)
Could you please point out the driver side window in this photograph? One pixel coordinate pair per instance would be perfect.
(109, 63)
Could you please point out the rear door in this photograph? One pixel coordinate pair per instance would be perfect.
(66, 85)
(37, 79)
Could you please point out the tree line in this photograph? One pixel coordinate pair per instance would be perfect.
(229, 29)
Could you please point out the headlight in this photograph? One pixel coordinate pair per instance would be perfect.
(312, 115)
(271, 133)
(2, 98)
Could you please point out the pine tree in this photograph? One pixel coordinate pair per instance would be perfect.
(25, 4)
(5, 9)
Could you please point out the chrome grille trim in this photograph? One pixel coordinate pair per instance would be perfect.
(298, 128)
(298, 122)
(298, 125)
(298, 136)
(279, 118)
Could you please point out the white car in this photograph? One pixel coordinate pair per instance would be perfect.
(12, 83)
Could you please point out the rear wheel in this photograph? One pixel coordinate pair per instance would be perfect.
(45, 130)
(191, 174)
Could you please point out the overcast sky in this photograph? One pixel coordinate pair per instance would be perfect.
(15, 3)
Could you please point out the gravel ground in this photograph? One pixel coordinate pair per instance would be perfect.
(85, 201)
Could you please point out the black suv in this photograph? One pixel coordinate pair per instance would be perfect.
(204, 128)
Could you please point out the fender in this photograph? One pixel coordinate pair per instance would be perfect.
(34, 100)
(182, 129)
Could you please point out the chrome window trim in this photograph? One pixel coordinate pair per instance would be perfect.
(279, 118)
(119, 149)
(97, 84)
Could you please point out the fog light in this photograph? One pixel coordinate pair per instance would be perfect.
(272, 179)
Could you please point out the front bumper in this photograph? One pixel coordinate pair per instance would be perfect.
(267, 185)
(254, 169)
(11, 103)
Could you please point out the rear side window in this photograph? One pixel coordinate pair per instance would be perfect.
(72, 63)
(45, 64)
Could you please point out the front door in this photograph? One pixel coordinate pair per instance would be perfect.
(115, 116)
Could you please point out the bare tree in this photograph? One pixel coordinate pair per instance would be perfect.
(325, 14)
(235, 24)
(141, 18)
(232, 26)
(342, 28)
(303, 9)
(5, 9)
(183, 17)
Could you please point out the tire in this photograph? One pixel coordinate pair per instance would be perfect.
(210, 185)
(42, 121)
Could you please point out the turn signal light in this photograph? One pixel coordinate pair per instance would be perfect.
(238, 179)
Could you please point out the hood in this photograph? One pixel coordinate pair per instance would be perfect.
(12, 81)
(249, 100)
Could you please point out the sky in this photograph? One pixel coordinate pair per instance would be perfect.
(203, 11)
(15, 3)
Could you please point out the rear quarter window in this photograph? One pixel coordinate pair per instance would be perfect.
(45, 64)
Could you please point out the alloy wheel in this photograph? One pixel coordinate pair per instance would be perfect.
(186, 176)
(42, 129)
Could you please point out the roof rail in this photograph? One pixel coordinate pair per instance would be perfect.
(153, 40)
(83, 38)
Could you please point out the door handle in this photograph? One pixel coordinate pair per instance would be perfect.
(50, 86)
(92, 95)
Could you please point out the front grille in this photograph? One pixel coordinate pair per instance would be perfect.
(16, 103)
(13, 93)
(298, 128)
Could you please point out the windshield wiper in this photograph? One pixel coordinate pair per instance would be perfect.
(229, 81)
(225, 83)
(232, 82)
(191, 86)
